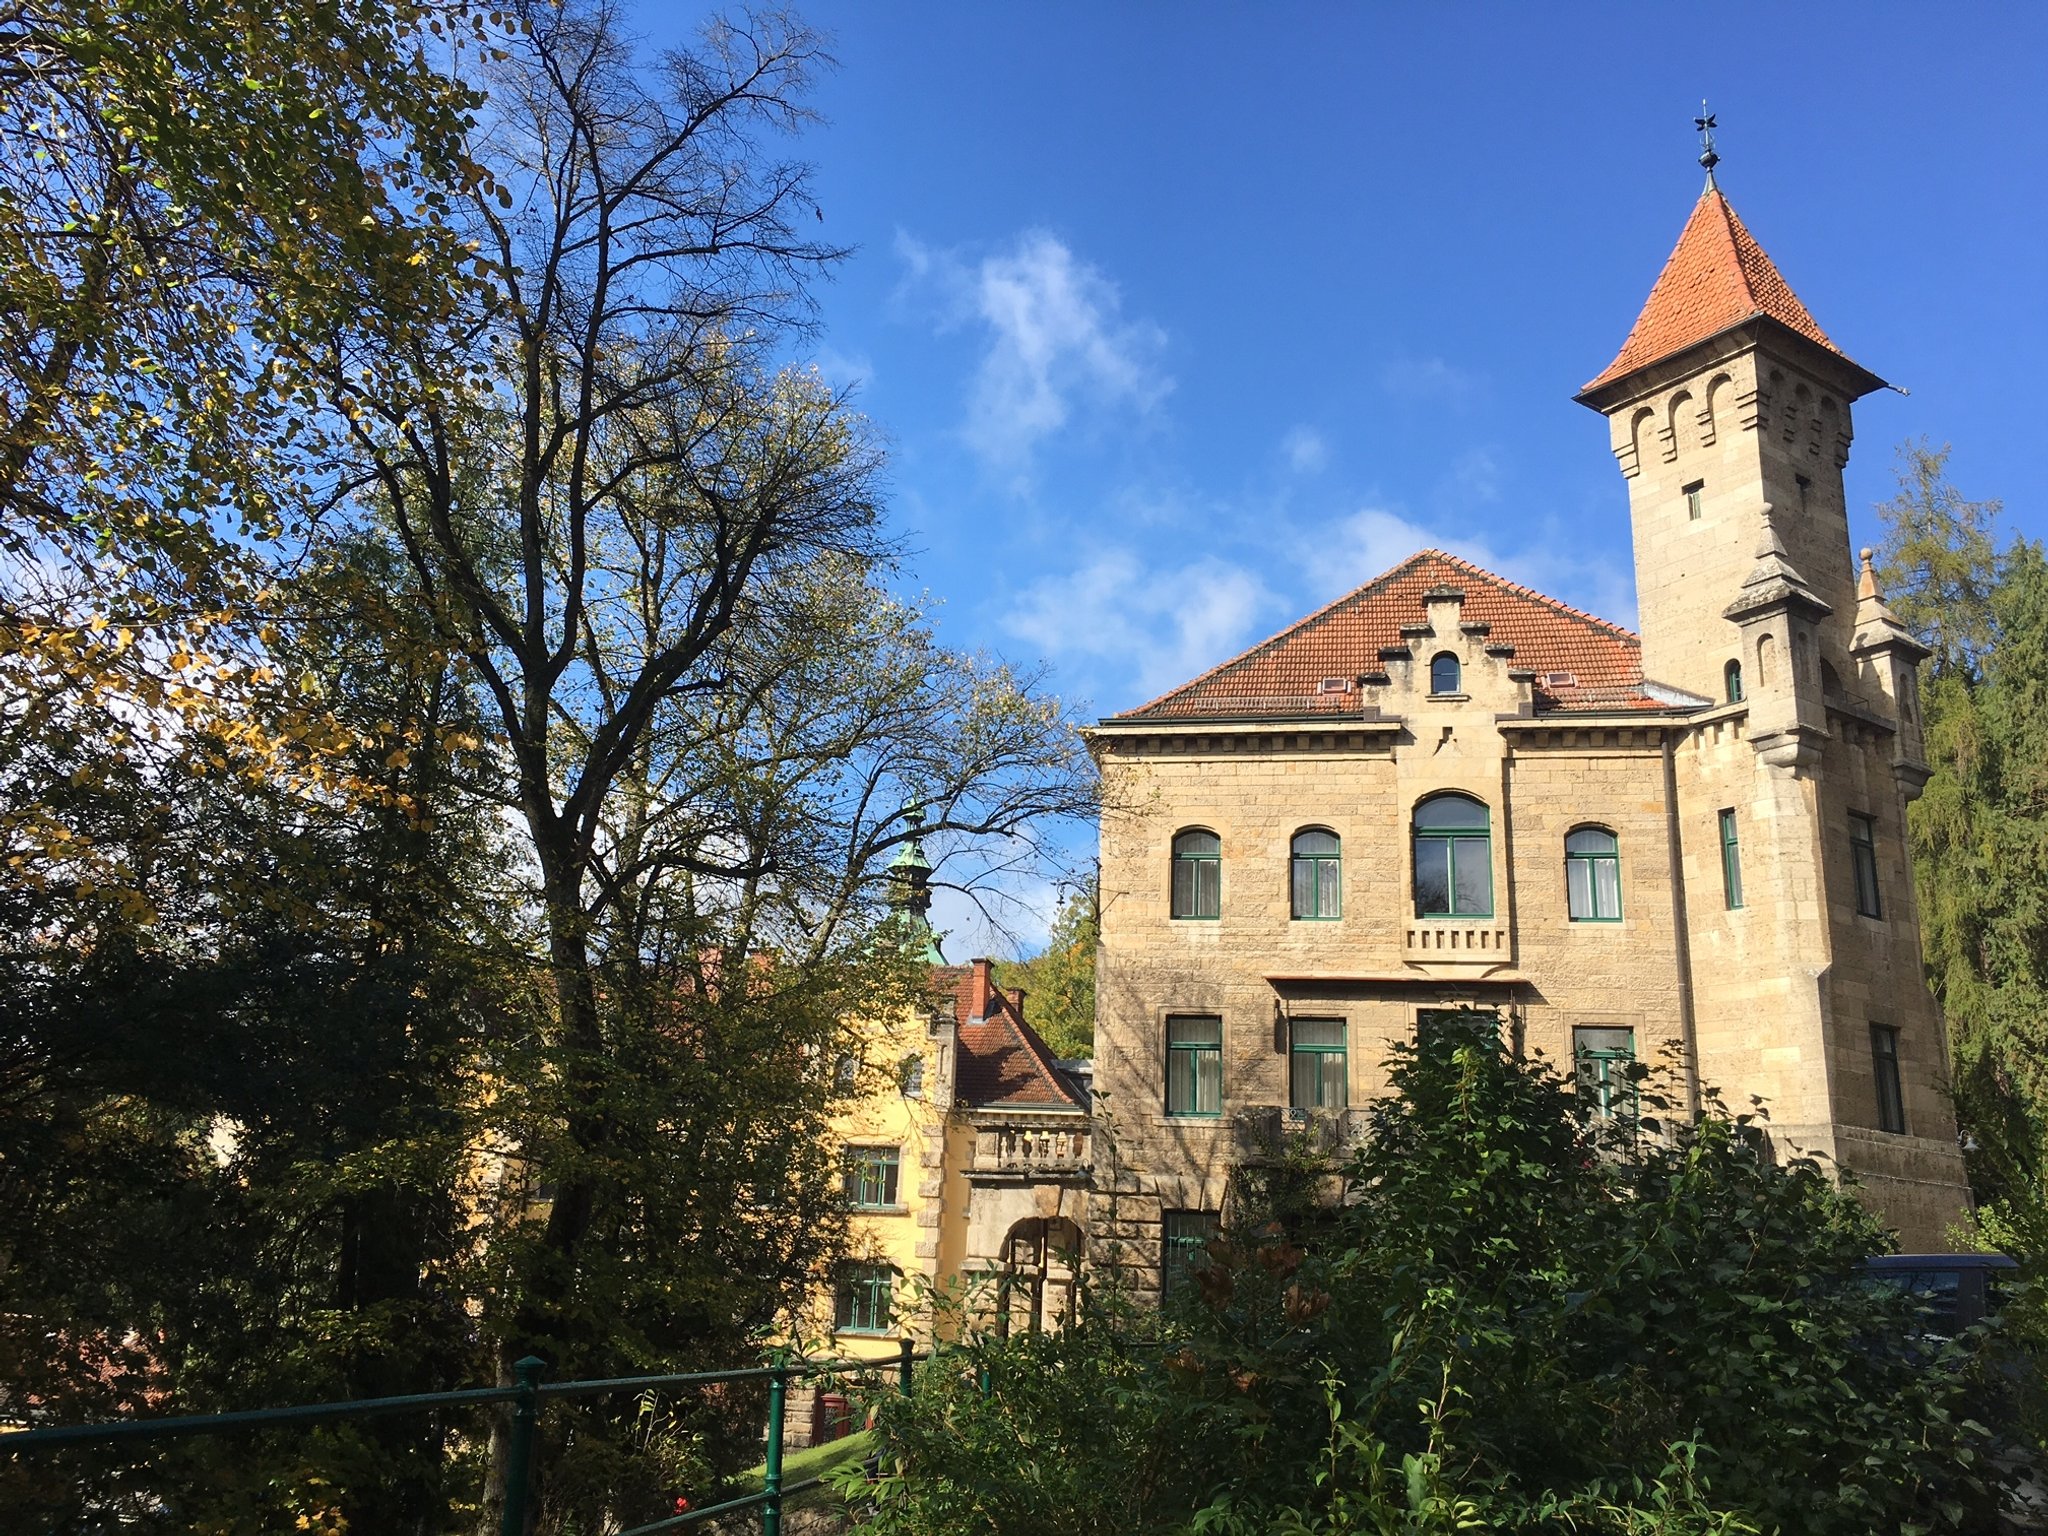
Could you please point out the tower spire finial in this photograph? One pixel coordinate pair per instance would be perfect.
(1705, 124)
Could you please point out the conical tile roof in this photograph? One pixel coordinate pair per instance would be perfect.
(1717, 277)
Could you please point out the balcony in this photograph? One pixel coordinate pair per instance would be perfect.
(1268, 1133)
(1030, 1148)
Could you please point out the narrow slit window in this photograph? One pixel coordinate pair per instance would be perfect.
(1319, 1075)
(1194, 1065)
(1863, 857)
(1198, 875)
(1884, 1062)
(1592, 876)
(1731, 861)
(1318, 875)
(1695, 500)
(1731, 676)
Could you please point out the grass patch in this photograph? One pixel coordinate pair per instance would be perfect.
(814, 1462)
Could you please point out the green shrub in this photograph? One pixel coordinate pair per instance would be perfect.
(1519, 1319)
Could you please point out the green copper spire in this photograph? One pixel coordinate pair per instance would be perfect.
(910, 881)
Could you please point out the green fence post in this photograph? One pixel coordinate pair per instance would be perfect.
(903, 1366)
(519, 1449)
(771, 1481)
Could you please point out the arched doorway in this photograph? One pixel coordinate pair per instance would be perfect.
(1041, 1275)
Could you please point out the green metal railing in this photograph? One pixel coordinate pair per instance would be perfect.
(528, 1395)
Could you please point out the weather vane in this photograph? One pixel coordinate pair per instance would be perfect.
(1705, 124)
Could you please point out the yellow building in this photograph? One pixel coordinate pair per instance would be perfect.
(966, 1167)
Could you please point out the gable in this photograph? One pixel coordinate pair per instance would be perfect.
(1579, 662)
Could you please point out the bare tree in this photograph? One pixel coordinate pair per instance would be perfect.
(659, 558)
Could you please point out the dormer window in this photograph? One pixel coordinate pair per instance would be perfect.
(1695, 499)
(1443, 673)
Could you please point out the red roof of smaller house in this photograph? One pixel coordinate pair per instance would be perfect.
(1717, 276)
(1581, 663)
(1002, 1062)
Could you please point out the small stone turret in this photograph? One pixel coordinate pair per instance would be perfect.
(1777, 613)
(1887, 659)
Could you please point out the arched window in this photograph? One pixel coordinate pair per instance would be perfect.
(1592, 875)
(1318, 875)
(1443, 673)
(1732, 676)
(1198, 875)
(1453, 858)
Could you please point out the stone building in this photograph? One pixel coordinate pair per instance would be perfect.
(1446, 790)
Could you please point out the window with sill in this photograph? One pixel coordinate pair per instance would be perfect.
(863, 1299)
(1318, 875)
(1197, 875)
(1453, 858)
(1592, 876)
(1444, 673)
(872, 1177)
(1194, 1065)
(1319, 1077)
(1604, 1059)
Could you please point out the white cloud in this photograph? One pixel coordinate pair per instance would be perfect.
(1152, 627)
(1427, 378)
(844, 370)
(1347, 553)
(1056, 339)
(1305, 450)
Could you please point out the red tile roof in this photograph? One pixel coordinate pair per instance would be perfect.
(1002, 1063)
(1717, 277)
(1581, 663)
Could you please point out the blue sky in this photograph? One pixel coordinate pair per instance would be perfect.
(1183, 319)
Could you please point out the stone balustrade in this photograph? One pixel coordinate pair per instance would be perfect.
(1048, 1145)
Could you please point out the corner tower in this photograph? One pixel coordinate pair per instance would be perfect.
(1728, 409)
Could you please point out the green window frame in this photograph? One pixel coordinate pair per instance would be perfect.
(1453, 842)
(1194, 1065)
(1695, 500)
(1318, 1067)
(1731, 861)
(1604, 1058)
(1317, 883)
(1182, 1237)
(1592, 875)
(1427, 1020)
(1731, 681)
(1445, 673)
(1863, 859)
(865, 1299)
(1197, 876)
(1884, 1067)
(873, 1177)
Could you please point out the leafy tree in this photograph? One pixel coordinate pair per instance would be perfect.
(1521, 1319)
(1059, 982)
(1979, 838)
